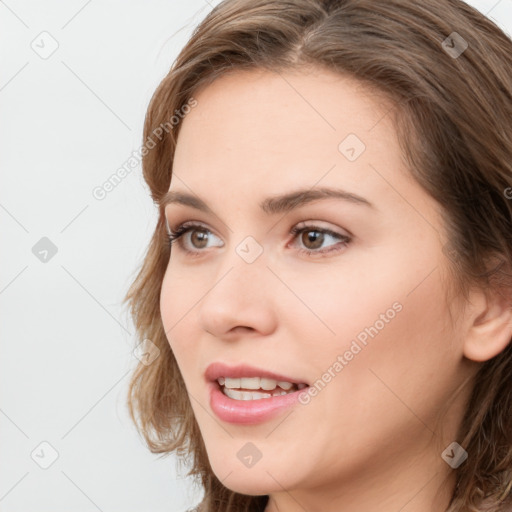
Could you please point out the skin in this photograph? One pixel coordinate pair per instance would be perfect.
(372, 438)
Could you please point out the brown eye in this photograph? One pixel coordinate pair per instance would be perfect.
(199, 239)
(314, 241)
(312, 238)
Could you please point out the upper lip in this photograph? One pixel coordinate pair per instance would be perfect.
(218, 369)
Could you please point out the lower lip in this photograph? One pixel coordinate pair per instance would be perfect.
(248, 412)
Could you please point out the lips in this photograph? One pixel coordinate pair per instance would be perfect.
(249, 407)
(218, 369)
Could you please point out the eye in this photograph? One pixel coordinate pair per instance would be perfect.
(312, 237)
(199, 239)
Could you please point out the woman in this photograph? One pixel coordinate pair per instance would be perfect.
(327, 290)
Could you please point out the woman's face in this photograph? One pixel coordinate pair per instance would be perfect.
(361, 317)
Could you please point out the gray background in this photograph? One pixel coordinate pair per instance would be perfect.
(69, 120)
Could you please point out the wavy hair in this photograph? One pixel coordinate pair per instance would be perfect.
(453, 116)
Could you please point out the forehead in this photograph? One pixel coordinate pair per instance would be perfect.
(263, 131)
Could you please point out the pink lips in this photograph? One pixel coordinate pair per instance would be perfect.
(247, 411)
(216, 370)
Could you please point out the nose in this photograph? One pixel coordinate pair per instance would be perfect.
(239, 299)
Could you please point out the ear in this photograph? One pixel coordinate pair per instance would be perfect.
(490, 327)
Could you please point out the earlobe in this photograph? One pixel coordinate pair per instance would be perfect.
(490, 330)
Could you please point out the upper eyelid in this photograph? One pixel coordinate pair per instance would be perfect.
(189, 225)
(302, 224)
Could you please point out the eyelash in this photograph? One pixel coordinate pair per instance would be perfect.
(186, 227)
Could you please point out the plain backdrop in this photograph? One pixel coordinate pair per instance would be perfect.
(75, 81)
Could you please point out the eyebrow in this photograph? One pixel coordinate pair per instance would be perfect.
(275, 204)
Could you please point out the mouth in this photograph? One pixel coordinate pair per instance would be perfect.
(256, 388)
(248, 395)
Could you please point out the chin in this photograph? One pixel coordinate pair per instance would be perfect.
(251, 485)
(255, 481)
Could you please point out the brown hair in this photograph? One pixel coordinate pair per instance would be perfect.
(453, 115)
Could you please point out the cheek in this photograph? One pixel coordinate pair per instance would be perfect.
(397, 360)
(422, 341)
(176, 303)
(337, 302)
(389, 323)
(393, 377)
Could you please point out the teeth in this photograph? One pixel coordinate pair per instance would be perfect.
(254, 383)
(250, 383)
(232, 383)
(268, 384)
(250, 395)
(245, 395)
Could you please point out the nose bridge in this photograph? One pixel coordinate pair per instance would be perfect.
(243, 270)
(238, 295)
